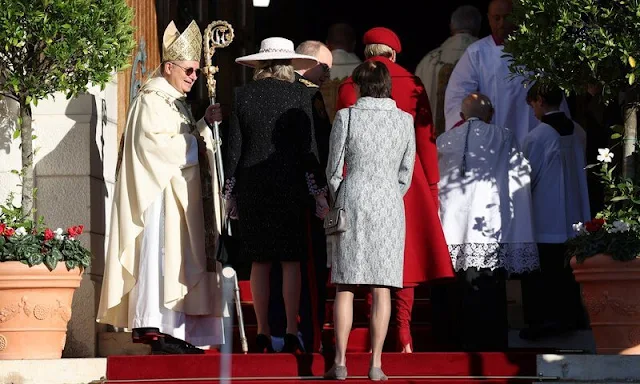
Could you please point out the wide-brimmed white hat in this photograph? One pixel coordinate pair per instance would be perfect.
(277, 48)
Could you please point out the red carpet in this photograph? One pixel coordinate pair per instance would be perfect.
(260, 368)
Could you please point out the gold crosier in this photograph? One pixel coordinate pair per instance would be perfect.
(219, 34)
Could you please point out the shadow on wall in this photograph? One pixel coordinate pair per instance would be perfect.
(72, 191)
(8, 122)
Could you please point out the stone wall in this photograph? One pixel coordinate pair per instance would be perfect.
(76, 153)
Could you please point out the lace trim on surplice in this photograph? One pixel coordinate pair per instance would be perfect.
(513, 257)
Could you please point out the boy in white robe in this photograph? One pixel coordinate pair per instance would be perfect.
(485, 208)
(556, 150)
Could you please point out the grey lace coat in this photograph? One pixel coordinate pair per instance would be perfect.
(378, 146)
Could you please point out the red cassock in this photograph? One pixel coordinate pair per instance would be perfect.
(426, 253)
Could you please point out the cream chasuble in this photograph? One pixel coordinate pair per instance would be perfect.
(156, 242)
(448, 53)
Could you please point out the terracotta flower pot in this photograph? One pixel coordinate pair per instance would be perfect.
(611, 295)
(35, 307)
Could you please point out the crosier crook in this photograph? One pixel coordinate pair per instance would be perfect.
(219, 34)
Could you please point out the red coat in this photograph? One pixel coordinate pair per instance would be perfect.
(426, 256)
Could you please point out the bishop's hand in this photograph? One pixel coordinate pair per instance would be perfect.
(213, 114)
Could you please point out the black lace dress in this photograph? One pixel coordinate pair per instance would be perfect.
(271, 165)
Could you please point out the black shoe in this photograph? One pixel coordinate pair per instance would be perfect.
(163, 344)
(263, 344)
(146, 335)
(169, 345)
(292, 344)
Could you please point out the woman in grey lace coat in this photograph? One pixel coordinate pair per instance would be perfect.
(376, 141)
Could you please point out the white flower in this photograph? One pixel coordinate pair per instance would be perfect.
(605, 155)
(579, 228)
(58, 231)
(619, 226)
(59, 236)
(21, 231)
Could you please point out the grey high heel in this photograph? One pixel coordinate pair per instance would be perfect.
(337, 372)
(376, 374)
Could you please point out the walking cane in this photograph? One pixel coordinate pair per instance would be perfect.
(219, 34)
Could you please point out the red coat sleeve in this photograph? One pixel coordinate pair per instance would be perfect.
(426, 141)
(346, 95)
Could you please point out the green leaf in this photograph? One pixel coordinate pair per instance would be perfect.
(616, 136)
(51, 262)
(619, 198)
(16, 134)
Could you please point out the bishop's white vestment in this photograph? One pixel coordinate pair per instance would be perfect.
(485, 199)
(483, 69)
(156, 269)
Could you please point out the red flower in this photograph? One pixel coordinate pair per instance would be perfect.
(2, 228)
(72, 232)
(9, 232)
(48, 234)
(594, 225)
(79, 229)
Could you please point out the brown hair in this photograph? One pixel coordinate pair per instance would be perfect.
(373, 78)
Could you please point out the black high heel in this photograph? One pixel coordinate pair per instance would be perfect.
(263, 344)
(292, 344)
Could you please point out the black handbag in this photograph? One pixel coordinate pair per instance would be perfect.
(336, 220)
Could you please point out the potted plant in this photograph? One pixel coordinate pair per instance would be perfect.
(48, 46)
(604, 258)
(580, 45)
(39, 271)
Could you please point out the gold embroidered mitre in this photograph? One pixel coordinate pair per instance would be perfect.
(182, 47)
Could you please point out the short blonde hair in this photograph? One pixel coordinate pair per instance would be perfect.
(278, 69)
(371, 50)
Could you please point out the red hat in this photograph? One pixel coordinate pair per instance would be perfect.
(381, 35)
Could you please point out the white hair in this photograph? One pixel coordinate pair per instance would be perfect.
(466, 18)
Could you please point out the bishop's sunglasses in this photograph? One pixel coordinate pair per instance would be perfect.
(188, 71)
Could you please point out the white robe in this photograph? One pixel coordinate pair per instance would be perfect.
(558, 182)
(343, 63)
(155, 269)
(146, 299)
(486, 214)
(483, 69)
(448, 53)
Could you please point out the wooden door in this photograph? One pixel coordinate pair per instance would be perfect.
(144, 59)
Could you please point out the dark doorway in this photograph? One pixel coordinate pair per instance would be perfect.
(422, 25)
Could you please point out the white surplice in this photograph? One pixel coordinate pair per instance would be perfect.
(485, 199)
(558, 181)
(448, 53)
(483, 69)
(343, 63)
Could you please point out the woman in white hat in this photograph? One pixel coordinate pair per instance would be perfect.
(272, 167)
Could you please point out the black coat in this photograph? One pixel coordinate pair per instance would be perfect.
(270, 156)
